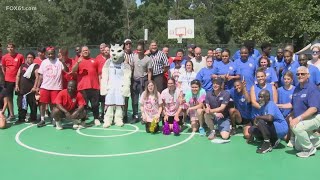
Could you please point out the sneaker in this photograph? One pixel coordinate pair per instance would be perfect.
(20, 121)
(276, 143)
(212, 135)
(75, 126)
(10, 119)
(76, 123)
(202, 132)
(59, 125)
(233, 131)
(41, 123)
(290, 143)
(265, 147)
(135, 119)
(82, 125)
(307, 153)
(97, 122)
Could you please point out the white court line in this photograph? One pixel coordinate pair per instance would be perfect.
(17, 138)
(109, 136)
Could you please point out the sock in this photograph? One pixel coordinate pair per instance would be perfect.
(42, 118)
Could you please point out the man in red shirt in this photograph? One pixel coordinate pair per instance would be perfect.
(70, 105)
(41, 56)
(78, 52)
(101, 55)
(11, 63)
(63, 54)
(86, 69)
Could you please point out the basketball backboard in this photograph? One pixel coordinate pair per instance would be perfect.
(181, 28)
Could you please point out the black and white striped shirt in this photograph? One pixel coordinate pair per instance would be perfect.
(159, 62)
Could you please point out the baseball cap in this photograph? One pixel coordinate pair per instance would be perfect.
(217, 80)
(219, 50)
(127, 41)
(50, 48)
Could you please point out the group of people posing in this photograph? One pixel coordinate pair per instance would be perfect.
(273, 98)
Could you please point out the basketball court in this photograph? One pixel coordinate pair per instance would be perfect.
(28, 152)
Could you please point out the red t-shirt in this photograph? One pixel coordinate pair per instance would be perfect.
(12, 65)
(68, 77)
(38, 61)
(88, 74)
(68, 102)
(101, 60)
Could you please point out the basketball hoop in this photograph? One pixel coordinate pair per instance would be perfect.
(179, 38)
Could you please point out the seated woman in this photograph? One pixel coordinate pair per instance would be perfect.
(172, 100)
(194, 105)
(268, 124)
(151, 107)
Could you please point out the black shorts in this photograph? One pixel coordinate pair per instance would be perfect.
(102, 98)
(10, 88)
(171, 119)
(244, 121)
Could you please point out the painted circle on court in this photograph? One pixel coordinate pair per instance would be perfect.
(17, 138)
(110, 136)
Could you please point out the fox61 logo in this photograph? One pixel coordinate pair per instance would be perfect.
(21, 8)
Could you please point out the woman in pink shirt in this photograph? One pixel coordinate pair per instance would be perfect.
(172, 99)
(151, 106)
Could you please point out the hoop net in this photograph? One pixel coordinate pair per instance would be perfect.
(179, 38)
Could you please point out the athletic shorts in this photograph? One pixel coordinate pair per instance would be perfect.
(171, 119)
(10, 88)
(48, 96)
(222, 125)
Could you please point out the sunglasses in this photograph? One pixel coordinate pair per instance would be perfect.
(301, 74)
(315, 52)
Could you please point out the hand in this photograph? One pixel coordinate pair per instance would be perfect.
(34, 89)
(17, 88)
(293, 122)
(227, 77)
(75, 115)
(147, 52)
(165, 118)
(68, 115)
(219, 115)
(80, 59)
(207, 110)
(176, 118)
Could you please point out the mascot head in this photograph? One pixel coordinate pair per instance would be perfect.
(117, 53)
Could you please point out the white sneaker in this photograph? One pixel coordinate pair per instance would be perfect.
(307, 153)
(82, 125)
(106, 124)
(97, 122)
(75, 126)
(290, 144)
(76, 123)
(59, 125)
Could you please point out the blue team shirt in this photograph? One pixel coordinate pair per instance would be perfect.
(314, 75)
(220, 68)
(254, 55)
(285, 96)
(271, 58)
(271, 75)
(183, 63)
(204, 76)
(290, 67)
(247, 70)
(241, 104)
(257, 90)
(279, 122)
(279, 64)
(304, 98)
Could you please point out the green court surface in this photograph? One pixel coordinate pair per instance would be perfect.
(127, 152)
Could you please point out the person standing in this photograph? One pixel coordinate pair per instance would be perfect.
(86, 69)
(11, 63)
(142, 72)
(41, 56)
(160, 65)
(101, 62)
(26, 86)
(198, 61)
(50, 82)
(305, 117)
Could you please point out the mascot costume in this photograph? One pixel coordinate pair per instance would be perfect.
(115, 85)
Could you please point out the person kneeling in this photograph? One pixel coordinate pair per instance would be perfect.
(269, 123)
(70, 105)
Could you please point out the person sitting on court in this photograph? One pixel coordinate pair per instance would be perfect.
(70, 105)
(269, 124)
(241, 112)
(216, 111)
(151, 107)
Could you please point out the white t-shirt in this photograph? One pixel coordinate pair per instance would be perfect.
(185, 79)
(52, 74)
(197, 66)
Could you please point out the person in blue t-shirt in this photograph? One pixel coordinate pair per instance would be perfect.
(289, 65)
(246, 67)
(271, 74)
(279, 62)
(285, 94)
(269, 124)
(205, 75)
(241, 113)
(226, 69)
(313, 71)
(266, 52)
(179, 53)
(305, 116)
(253, 53)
